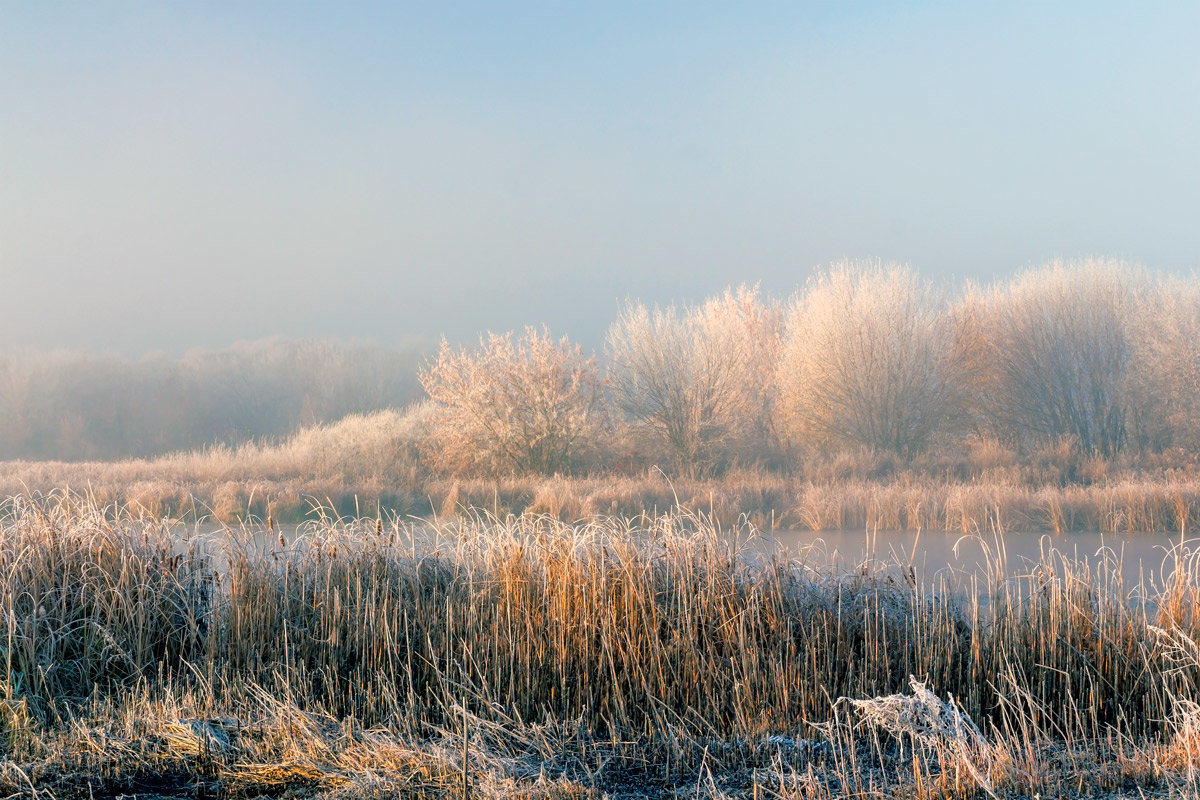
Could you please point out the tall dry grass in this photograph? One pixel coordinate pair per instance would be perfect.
(497, 651)
(371, 465)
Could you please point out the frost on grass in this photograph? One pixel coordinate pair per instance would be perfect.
(931, 724)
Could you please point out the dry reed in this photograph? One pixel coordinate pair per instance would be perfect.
(521, 656)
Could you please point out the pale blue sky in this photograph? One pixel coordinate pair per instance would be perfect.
(193, 174)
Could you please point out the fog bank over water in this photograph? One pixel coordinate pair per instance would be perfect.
(179, 176)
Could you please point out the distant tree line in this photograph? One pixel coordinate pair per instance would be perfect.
(1095, 356)
(77, 406)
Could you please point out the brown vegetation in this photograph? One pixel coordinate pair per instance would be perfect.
(372, 465)
(575, 621)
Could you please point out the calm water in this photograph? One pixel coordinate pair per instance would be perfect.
(1140, 558)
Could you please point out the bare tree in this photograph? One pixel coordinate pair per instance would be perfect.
(869, 361)
(1055, 352)
(525, 405)
(696, 380)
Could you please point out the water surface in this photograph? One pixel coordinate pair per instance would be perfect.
(1133, 558)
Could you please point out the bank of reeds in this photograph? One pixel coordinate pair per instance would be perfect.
(187, 488)
(524, 656)
(371, 465)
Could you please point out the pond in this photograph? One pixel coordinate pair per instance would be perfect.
(1135, 559)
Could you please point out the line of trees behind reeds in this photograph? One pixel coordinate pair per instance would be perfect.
(1076, 363)
(1098, 359)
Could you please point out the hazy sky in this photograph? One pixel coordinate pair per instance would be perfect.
(179, 174)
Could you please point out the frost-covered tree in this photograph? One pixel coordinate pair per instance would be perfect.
(528, 404)
(698, 380)
(749, 326)
(868, 361)
(1054, 352)
(1165, 364)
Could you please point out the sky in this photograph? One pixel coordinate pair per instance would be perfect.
(175, 175)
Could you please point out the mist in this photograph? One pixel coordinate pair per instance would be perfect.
(180, 177)
(75, 405)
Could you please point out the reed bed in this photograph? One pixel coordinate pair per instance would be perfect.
(524, 656)
(372, 465)
(1132, 502)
